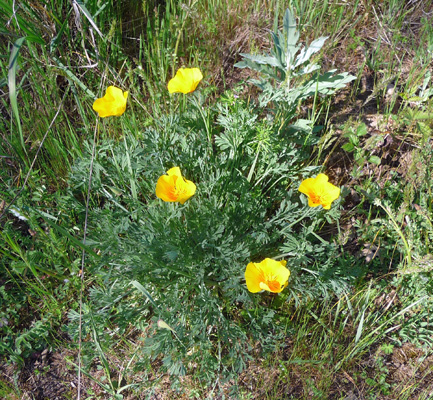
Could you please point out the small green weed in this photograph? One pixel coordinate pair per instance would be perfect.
(361, 152)
(378, 383)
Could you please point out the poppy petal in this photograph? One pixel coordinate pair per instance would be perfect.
(185, 80)
(253, 277)
(112, 104)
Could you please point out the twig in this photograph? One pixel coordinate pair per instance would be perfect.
(83, 256)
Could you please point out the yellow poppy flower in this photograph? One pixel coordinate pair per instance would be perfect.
(174, 187)
(185, 80)
(319, 191)
(267, 275)
(112, 104)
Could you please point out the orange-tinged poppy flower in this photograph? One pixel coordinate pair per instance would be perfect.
(185, 80)
(267, 275)
(174, 187)
(112, 104)
(319, 191)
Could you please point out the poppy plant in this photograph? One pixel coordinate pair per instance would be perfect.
(112, 104)
(185, 80)
(319, 191)
(174, 187)
(267, 275)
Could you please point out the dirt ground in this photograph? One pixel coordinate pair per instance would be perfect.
(47, 376)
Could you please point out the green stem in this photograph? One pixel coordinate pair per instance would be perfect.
(307, 213)
(398, 230)
(178, 37)
(205, 121)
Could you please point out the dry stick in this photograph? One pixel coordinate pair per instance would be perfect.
(34, 159)
(83, 256)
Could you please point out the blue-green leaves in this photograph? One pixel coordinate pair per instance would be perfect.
(284, 55)
(289, 60)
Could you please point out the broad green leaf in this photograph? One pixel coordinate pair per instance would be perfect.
(308, 69)
(325, 84)
(266, 60)
(353, 139)
(278, 51)
(425, 83)
(306, 53)
(374, 160)
(247, 63)
(290, 31)
(349, 147)
(361, 130)
(329, 83)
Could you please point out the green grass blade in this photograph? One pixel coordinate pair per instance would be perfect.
(140, 287)
(57, 39)
(86, 12)
(74, 240)
(360, 326)
(74, 78)
(102, 385)
(12, 74)
(26, 26)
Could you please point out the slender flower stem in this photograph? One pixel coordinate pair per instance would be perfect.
(180, 34)
(308, 213)
(205, 120)
(398, 230)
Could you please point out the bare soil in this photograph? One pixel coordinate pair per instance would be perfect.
(47, 376)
